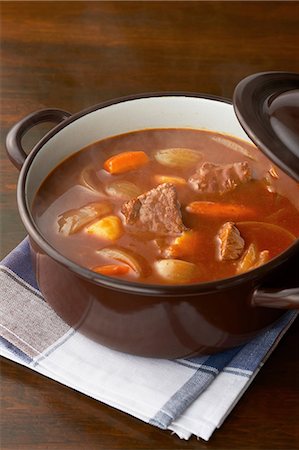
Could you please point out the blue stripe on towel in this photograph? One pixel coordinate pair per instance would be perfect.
(239, 361)
(252, 354)
(218, 360)
(15, 262)
(178, 403)
(15, 350)
(208, 369)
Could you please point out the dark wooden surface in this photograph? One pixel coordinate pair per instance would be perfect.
(71, 55)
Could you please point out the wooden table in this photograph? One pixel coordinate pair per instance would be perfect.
(71, 55)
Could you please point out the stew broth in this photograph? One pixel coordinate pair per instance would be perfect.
(232, 208)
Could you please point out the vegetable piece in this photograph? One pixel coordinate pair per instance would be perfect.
(132, 259)
(126, 161)
(89, 179)
(252, 259)
(226, 210)
(111, 269)
(178, 181)
(74, 220)
(270, 180)
(233, 146)
(176, 270)
(273, 172)
(264, 256)
(188, 244)
(269, 183)
(231, 242)
(248, 259)
(178, 157)
(109, 227)
(122, 189)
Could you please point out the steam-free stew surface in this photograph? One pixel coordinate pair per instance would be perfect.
(87, 207)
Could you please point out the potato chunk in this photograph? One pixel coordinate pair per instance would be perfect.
(187, 244)
(176, 270)
(109, 228)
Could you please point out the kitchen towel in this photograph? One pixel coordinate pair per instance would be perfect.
(190, 396)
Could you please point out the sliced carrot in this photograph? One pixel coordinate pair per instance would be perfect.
(124, 162)
(111, 269)
(222, 210)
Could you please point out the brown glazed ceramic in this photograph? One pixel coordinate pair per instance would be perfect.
(150, 320)
(267, 106)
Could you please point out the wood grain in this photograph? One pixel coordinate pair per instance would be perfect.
(71, 55)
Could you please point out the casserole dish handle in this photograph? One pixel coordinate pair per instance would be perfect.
(280, 289)
(276, 298)
(14, 147)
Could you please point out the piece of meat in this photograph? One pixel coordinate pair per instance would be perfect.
(231, 242)
(157, 210)
(213, 178)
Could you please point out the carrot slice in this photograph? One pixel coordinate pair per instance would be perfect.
(124, 162)
(111, 269)
(223, 210)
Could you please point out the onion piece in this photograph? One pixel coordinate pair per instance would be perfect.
(74, 220)
(122, 189)
(265, 235)
(233, 146)
(89, 179)
(252, 259)
(132, 259)
(178, 157)
(273, 172)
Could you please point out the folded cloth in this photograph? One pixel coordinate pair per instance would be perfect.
(188, 396)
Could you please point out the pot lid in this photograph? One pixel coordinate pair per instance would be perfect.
(267, 106)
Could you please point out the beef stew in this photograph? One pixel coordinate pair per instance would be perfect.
(168, 206)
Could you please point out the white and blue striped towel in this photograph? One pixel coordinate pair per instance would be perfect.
(188, 396)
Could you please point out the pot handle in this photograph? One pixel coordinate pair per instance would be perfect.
(14, 147)
(276, 298)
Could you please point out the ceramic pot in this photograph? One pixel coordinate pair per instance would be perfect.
(150, 320)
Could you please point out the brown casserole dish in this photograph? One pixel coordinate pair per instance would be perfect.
(130, 257)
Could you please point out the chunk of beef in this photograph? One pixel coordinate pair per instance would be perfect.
(231, 242)
(213, 178)
(157, 210)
